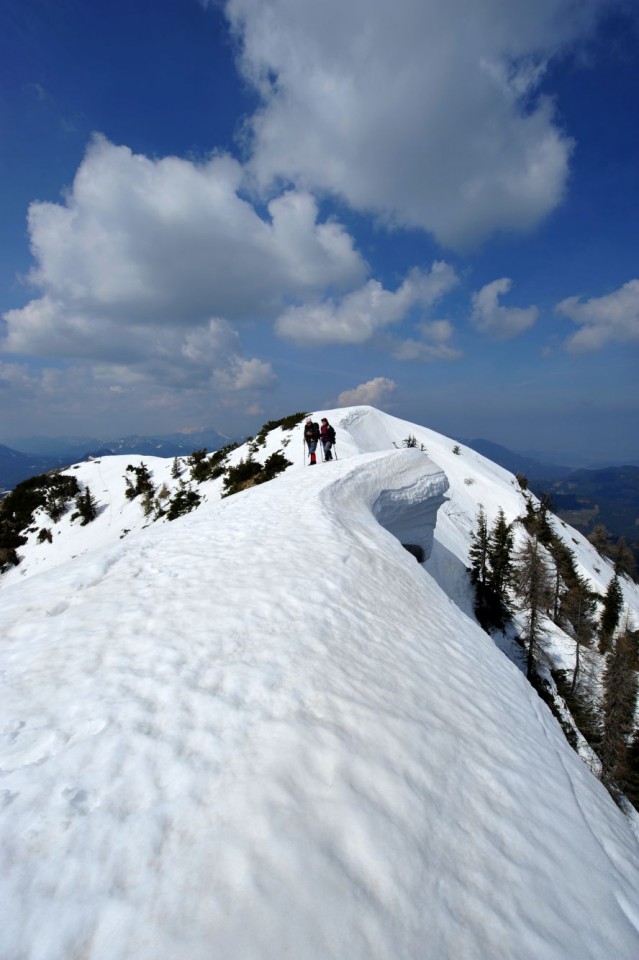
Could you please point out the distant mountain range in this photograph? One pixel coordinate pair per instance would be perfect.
(541, 466)
(16, 466)
(583, 498)
(30, 456)
(530, 467)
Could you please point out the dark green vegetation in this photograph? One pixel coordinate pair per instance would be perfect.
(203, 467)
(50, 492)
(286, 423)
(249, 473)
(33, 456)
(492, 570)
(182, 502)
(143, 483)
(542, 581)
(87, 508)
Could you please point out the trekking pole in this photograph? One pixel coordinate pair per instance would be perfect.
(304, 450)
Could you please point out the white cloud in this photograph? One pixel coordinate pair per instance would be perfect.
(14, 377)
(168, 239)
(247, 375)
(488, 316)
(360, 314)
(373, 393)
(613, 318)
(434, 343)
(175, 356)
(424, 112)
(143, 253)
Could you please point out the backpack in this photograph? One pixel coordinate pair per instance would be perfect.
(330, 433)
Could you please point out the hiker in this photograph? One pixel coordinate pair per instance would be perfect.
(327, 435)
(311, 436)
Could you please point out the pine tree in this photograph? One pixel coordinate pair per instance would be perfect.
(183, 501)
(491, 570)
(600, 539)
(533, 585)
(143, 482)
(611, 613)
(500, 546)
(620, 701)
(578, 608)
(87, 506)
(536, 521)
(478, 552)
(566, 577)
(624, 559)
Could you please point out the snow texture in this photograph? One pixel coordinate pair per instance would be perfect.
(265, 731)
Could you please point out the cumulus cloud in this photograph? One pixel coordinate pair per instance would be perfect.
(143, 253)
(207, 354)
(503, 323)
(433, 345)
(82, 398)
(247, 375)
(426, 113)
(171, 239)
(360, 314)
(613, 318)
(373, 393)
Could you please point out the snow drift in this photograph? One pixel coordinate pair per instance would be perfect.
(266, 731)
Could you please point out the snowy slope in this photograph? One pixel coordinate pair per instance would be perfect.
(264, 730)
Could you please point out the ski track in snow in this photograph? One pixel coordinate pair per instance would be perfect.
(266, 731)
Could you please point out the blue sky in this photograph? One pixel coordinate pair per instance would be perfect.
(217, 213)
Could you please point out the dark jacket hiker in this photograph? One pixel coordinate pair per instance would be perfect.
(327, 434)
(311, 436)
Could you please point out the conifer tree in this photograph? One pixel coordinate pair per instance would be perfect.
(537, 522)
(611, 613)
(87, 506)
(620, 701)
(533, 585)
(600, 539)
(500, 546)
(624, 558)
(491, 569)
(143, 482)
(566, 577)
(478, 552)
(578, 608)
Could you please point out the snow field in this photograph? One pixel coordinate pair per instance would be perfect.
(265, 731)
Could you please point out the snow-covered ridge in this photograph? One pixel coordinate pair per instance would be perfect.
(263, 730)
(472, 478)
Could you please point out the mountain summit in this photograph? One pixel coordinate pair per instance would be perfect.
(264, 730)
